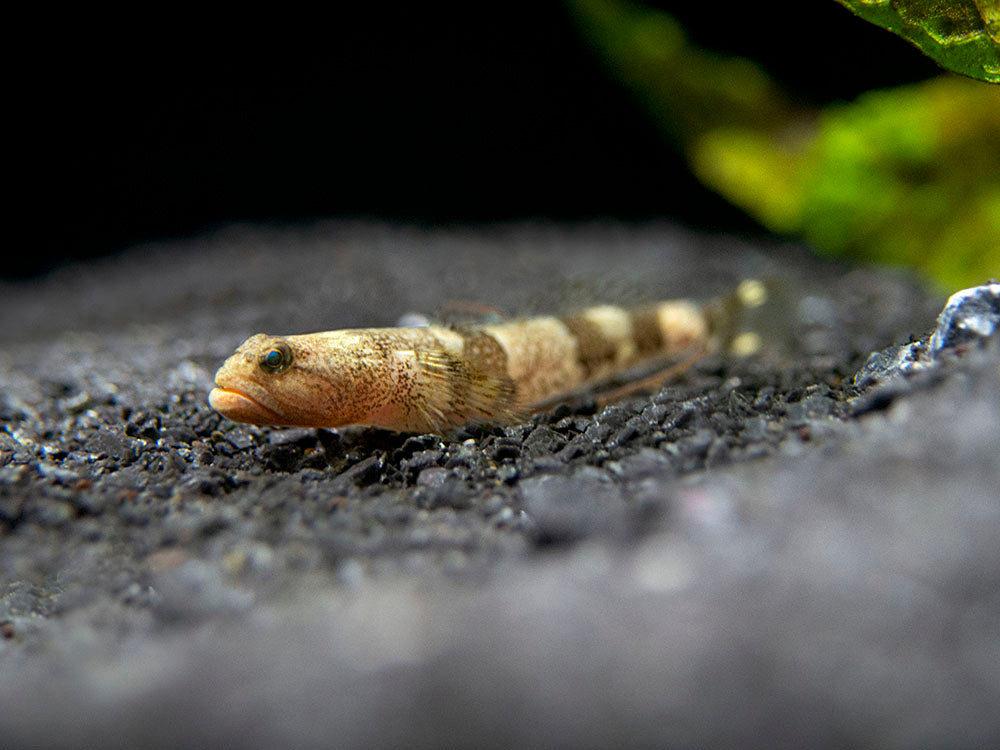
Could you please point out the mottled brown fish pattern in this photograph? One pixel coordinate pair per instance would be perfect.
(433, 378)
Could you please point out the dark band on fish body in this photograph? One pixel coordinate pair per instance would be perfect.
(484, 360)
(594, 348)
(646, 330)
(483, 352)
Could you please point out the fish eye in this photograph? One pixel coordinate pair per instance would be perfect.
(276, 358)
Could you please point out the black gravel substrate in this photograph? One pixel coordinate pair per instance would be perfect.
(795, 547)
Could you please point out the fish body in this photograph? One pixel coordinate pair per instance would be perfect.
(433, 378)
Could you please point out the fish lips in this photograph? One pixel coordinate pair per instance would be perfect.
(240, 406)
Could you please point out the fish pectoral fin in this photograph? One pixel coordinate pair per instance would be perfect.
(454, 392)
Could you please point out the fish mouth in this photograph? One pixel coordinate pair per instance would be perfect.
(240, 407)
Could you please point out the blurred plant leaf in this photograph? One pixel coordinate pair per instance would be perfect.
(650, 53)
(960, 35)
(908, 175)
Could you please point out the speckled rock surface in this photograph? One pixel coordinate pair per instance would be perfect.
(799, 546)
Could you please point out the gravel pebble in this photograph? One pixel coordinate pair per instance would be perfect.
(570, 507)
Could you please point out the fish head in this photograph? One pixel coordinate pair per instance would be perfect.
(278, 380)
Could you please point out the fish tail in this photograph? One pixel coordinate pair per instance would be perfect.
(726, 318)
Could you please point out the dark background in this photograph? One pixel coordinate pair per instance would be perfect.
(130, 129)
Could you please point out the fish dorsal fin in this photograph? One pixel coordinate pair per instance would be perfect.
(456, 314)
(461, 314)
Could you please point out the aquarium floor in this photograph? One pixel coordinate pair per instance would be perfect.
(764, 550)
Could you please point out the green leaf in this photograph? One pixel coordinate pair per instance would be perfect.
(960, 35)
(687, 90)
(908, 175)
